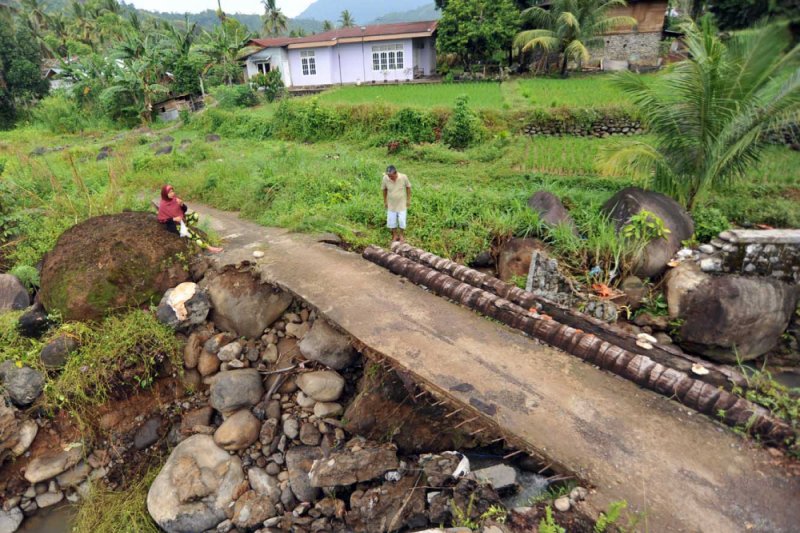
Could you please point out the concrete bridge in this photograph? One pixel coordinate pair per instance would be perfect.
(683, 471)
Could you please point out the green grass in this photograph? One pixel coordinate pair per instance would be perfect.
(123, 352)
(577, 91)
(481, 95)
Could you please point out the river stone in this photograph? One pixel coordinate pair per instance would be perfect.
(194, 345)
(49, 466)
(252, 509)
(183, 307)
(33, 322)
(327, 409)
(197, 417)
(291, 428)
(631, 201)
(74, 476)
(264, 484)
(501, 477)
(309, 434)
(48, 499)
(55, 352)
(196, 486)
(243, 304)
(10, 520)
(550, 210)
(27, 433)
(328, 346)
(207, 363)
(13, 295)
(229, 352)
(239, 431)
(323, 385)
(235, 389)
(23, 385)
(299, 461)
(359, 461)
(109, 263)
(148, 434)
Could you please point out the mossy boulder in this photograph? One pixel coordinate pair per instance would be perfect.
(109, 263)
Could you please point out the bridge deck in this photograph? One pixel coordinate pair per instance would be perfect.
(685, 472)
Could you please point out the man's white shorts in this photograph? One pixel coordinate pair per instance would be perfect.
(393, 218)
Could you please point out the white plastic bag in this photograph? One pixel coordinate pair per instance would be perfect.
(184, 231)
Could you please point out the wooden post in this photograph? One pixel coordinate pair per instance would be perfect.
(703, 397)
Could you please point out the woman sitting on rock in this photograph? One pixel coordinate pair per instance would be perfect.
(172, 211)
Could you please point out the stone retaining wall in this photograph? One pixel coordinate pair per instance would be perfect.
(636, 48)
(603, 127)
(773, 253)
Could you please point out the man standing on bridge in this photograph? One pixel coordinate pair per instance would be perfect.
(396, 200)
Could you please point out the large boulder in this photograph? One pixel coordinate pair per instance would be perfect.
(49, 466)
(359, 461)
(243, 304)
(327, 346)
(632, 200)
(729, 317)
(184, 306)
(55, 353)
(196, 487)
(299, 461)
(514, 258)
(551, 211)
(111, 262)
(13, 295)
(10, 429)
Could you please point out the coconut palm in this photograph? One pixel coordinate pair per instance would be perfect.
(327, 25)
(274, 21)
(711, 114)
(222, 46)
(346, 19)
(570, 28)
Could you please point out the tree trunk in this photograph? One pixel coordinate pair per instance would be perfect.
(564, 66)
(669, 356)
(640, 369)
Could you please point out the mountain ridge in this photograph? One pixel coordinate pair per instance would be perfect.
(362, 11)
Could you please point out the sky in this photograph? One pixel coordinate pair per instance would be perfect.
(291, 8)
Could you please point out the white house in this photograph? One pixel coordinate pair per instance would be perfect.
(370, 54)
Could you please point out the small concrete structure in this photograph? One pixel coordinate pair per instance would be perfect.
(774, 253)
(170, 108)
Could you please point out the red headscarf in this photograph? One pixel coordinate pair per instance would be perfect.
(168, 209)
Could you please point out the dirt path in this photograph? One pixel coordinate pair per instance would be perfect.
(685, 472)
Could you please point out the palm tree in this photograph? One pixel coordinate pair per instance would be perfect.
(346, 20)
(327, 25)
(274, 21)
(569, 28)
(222, 45)
(137, 82)
(711, 114)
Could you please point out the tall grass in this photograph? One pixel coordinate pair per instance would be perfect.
(577, 91)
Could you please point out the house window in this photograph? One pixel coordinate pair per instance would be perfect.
(387, 57)
(263, 68)
(309, 63)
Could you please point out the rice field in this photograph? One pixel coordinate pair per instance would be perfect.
(424, 95)
(543, 93)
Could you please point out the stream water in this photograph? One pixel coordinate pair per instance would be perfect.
(56, 520)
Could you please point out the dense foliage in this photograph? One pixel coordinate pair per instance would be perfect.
(477, 30)
(737, 14)
(20, 76)
(568, 28)
(712, 114)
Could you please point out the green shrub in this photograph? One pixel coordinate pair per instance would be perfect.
(413, 126)
(27, 275)
(463, 129)
(308, 122)
(708, 223)
(272, 83)
(59, 114)
(233, 96)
